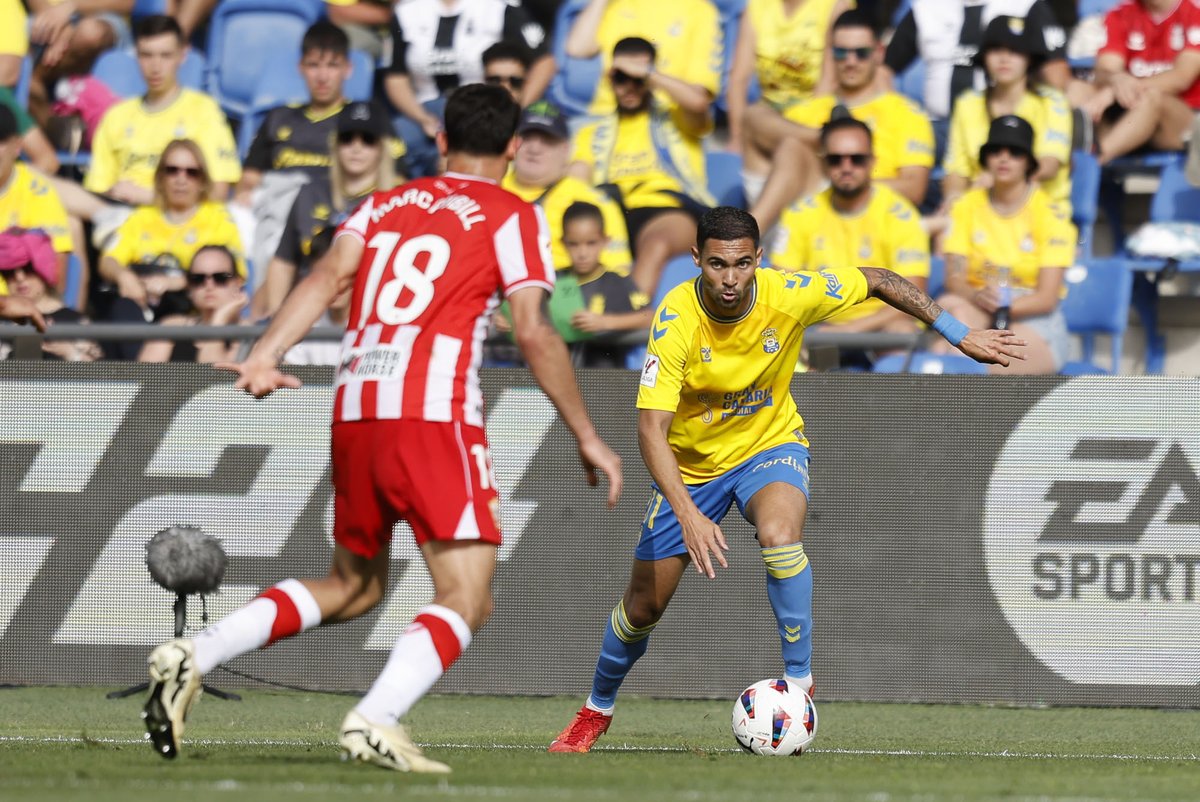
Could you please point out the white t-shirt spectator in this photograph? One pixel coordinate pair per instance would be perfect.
(439, 45)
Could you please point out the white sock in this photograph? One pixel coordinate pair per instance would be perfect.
(590, 705)
(281, 611)
(430, 645)
(752, 186)
(805, 682)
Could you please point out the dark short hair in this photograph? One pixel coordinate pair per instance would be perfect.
(157, 24)
(221, 249)
(325, 37)
(480, 120)
(635, 46)
(845, 124)
(726, 223)
(582, 210)
(855, 18)
(506, 50)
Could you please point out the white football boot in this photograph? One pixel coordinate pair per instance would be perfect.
(389, 747)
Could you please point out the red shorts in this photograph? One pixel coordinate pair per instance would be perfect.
(436, 476)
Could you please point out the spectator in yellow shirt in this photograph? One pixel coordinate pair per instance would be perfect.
(182, 219)
(539, 175)
(133, 133)
(1007, 251)
(902, 134)
(27, 199)
(650, 156)
(855, 221)
(686, 35)
(1011, 56)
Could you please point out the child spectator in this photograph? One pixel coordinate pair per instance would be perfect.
(612, 303)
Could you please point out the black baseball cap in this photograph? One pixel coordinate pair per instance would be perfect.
(1012, 132)
(8, 123)
(365, 117)
(544, 116)
(1011, 33)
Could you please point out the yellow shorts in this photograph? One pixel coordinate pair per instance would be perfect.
(14, 29)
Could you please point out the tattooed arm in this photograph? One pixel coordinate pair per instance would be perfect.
(996, 347)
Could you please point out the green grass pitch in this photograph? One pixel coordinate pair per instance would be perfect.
(72, 743)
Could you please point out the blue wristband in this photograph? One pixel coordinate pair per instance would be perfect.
(950, 327)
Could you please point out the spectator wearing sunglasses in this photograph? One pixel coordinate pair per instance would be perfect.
(902, 134)
(216, 290)
(359, 167)
(649, 155)
(855, 221)
(506, 64)
(182, 219)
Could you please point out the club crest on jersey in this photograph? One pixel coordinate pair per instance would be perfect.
(770, 341)
(705, 354)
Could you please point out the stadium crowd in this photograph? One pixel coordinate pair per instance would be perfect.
(183, 161)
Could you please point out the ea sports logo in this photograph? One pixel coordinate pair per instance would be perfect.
(1091, 531)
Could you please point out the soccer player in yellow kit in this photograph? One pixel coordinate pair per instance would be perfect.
(717, 424)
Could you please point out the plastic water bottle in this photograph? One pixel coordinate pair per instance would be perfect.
(1003, 315)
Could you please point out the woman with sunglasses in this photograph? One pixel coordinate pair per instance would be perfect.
(1011, 55)
(29, 266)
(215, 289)
(181, 220)
(1008, 250)
(357, 169)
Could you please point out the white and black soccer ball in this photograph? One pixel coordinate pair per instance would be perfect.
(774, 717)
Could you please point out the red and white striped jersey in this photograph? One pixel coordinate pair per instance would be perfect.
(439, 253)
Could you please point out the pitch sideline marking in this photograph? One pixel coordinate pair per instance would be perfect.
(50, 739)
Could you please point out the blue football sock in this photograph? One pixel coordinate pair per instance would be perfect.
(623, 644)
(789, 587)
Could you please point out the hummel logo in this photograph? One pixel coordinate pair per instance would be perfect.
(791, 634)
(664, 317)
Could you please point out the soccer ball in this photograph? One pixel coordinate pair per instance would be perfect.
(774, 717)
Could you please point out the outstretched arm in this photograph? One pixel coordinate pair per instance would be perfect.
(991, 346)
(21, 310)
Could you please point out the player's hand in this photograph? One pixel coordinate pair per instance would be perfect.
(702, 537)
(259, 379)
(21, 310)
(993, 346)
(595, 455)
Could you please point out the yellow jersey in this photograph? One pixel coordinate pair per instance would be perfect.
(14, 33)
(1039, 235)
(789, 50)
(29, 201)
(130, 140)
(729, 381)
(148, 233)
(887, 233)
(686, 35)
(555, 201)
(901, 133)
(1045, 108)
(630, 159)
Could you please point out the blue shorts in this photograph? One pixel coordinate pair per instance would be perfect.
(663, 537)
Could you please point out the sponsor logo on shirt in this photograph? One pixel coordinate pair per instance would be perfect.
(747, 402)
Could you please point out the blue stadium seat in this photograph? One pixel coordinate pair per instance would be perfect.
(911, 82)
(677, 271)
(1085, 198)
(937, 276)
(574, 84)
(731, 21)
(1097, 302)
(1088, 8)
(361, 84)
(925, 362)
(71, 295)
(118, 70)
(725, 178)
(22, 88)
(149, 8)
(244, 37)
(1175, 200)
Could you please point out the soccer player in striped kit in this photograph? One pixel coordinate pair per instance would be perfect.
(429, 262)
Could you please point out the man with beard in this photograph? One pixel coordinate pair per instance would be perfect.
(855, 221)
(649, 155)
(717, 424)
